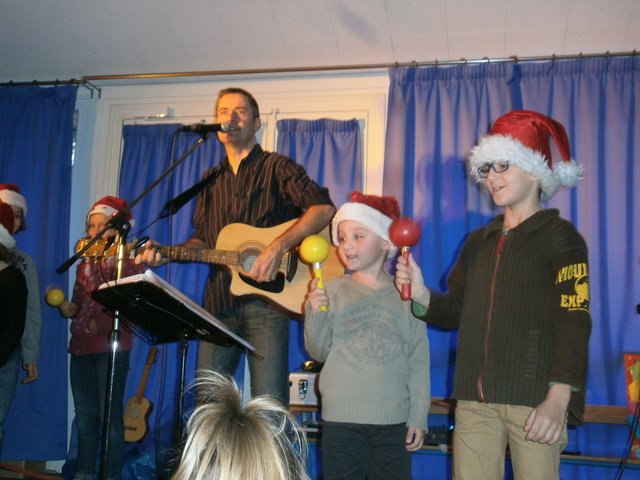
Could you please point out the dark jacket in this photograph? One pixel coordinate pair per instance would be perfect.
(13, 302)
(521, 302)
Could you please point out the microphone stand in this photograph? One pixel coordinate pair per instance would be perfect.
(123, 227)
(114, 341)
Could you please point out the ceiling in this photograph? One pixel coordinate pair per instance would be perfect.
(47, 40)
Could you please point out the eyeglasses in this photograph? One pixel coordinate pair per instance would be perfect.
(498, 167)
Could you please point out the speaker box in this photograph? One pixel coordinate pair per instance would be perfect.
(303, 388)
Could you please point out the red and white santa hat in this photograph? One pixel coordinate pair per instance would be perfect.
(521, 137)
(6, 225)
(10, 193)
(374, 211)
(110, 206)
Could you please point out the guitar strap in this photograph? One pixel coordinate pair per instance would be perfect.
(175, 204)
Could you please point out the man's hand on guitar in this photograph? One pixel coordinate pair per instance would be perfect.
(266, 266)
(150, 255)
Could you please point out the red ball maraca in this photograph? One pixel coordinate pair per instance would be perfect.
(405, 233)
(314, 250)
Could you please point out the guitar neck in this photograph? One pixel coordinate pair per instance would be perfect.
(220, 257)
(192, 254)
(145, 375)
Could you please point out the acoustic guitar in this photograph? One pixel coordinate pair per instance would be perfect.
(137, 409)
(239, 245)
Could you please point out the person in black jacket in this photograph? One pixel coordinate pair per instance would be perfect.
(13, 304)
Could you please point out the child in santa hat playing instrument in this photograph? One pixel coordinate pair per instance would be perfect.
(519, 295)
(90, 346)
(13, 304)
(375, 379)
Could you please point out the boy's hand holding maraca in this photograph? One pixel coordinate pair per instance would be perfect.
(317, 298)
(409, 273)
(314, 250)
(405, 233)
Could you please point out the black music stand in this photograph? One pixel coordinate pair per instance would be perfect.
(160, 313)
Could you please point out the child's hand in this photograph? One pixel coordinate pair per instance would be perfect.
(545, 423)
(411, 273)
(32, 373)
(317, 297)
(415, 438)
(150, 256)
(68, 309)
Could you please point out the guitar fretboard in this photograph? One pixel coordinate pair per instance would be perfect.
(244, 260)
(188, 254)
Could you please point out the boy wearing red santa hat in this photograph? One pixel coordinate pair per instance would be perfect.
(30, 343)
(368, 340)
(13, 304)
(519, 295)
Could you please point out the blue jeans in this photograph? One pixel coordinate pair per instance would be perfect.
(8, 383)
(267, 330)
(89, 375)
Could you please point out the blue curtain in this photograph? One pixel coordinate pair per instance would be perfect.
(148, 151)
(437, 114)
(146, 154)
(331, 152)
(36, 141)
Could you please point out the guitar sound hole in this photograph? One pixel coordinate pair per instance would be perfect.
(246, 260)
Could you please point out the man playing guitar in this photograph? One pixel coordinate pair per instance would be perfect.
(260, 189)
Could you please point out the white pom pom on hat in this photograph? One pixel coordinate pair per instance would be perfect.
(521, 137)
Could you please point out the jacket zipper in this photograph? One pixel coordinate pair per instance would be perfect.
(501, 241)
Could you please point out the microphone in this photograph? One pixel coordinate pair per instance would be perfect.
(202, 128)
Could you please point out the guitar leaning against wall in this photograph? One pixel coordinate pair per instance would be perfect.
(137, 410)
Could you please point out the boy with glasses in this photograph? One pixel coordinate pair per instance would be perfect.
(519, 295)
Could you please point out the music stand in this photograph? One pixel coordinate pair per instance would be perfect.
(160, 313)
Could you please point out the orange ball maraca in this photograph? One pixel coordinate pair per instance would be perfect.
(405, 233)
(314, 250)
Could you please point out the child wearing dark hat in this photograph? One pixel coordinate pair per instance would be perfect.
(519, 295)
(375, 383)
(13, 304)
(90, 347)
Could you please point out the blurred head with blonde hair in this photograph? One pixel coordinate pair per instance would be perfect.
(226, 440)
